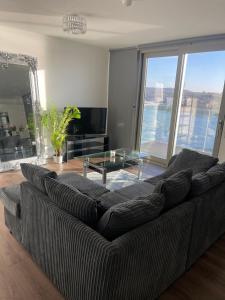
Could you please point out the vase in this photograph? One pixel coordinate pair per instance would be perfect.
(58, 159)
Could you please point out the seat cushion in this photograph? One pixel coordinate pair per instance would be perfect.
(68, 198)
(83, 184)
(205, 181)
(141, 189)
(10, 197)
(36, 175)
(123, 217)
(175, 188)
(108, 200)
(190, 159)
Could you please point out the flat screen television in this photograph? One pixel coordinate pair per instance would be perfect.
(93, 121)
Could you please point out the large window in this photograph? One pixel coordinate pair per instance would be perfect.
(158, 101)
(182, 96)
(201, 100)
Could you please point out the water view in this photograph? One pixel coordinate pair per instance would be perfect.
(196, 130)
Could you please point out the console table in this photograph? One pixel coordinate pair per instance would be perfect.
(77, 145)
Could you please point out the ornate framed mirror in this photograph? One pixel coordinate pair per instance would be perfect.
(20, 124)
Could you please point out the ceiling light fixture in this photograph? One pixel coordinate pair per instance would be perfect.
(127, 2)
(76, 24)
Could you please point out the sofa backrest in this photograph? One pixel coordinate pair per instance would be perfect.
(186, 159)
(205, 181)
(36, 175)
(70, 199)
(208, 222)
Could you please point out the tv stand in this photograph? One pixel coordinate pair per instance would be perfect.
(78, 145)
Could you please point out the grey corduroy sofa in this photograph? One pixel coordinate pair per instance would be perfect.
(139, 264)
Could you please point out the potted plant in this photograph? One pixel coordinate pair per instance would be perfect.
(56, 123)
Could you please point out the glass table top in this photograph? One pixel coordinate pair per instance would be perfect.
(113, 159)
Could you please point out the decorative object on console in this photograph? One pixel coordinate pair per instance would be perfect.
(57, 122)
(76, 24)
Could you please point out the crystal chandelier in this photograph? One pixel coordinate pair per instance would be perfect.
(76, 24)
(127, 2)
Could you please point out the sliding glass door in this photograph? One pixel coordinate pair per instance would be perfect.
(182, 103)
(201, 101)
(158, 95)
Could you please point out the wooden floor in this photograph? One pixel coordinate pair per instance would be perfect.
(21, 279)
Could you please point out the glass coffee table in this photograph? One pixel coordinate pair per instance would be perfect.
(113, 160)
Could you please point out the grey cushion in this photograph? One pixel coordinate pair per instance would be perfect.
(36, 175)
(141, 189)
(154, 180)
(10, 197)
(84, 185)
(68, 198)
(205, 181)
(123, 217)
(175, 188)
(190, 159)
(108, 200)
(172, 159)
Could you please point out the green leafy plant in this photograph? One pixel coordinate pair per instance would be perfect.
(56, 123)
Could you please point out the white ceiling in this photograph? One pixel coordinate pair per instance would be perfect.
(113, 26)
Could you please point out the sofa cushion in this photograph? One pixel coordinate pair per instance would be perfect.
(175, 188)
(83, 184)
(204, 181)
(123, 217)
(36, 175)
(172, 159)
(190, 159)
(141, 189)
(10, 197)
(154, 180)
(108, 200)
(68, 198)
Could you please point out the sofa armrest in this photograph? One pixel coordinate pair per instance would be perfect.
(77, 259)
(208, 222)
(154, 255)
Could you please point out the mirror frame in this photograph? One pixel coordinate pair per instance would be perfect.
(6, 59)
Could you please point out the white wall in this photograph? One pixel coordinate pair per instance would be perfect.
(71, 72)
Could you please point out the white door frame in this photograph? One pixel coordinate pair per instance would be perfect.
(220, 125)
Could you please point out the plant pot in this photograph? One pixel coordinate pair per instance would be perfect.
(58, 159)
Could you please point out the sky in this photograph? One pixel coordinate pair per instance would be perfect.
(204, 71)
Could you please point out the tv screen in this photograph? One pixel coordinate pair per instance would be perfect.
(93, 121)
